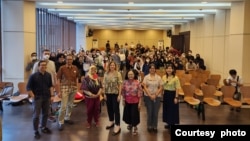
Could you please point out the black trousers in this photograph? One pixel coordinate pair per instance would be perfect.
(113, 108)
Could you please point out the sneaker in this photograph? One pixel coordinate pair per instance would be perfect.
(135, 131)
(68, 121)
(52, 119)
(60, 127)
(46, 130)
(37, 135)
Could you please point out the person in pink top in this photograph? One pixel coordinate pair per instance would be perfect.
(131, 92)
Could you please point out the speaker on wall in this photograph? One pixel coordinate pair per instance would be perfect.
(169, 33)
(90, 33)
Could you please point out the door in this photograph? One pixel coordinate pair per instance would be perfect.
(177, 41)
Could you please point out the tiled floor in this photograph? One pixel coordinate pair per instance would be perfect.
(17, 124)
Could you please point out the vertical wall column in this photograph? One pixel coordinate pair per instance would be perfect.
(19, 39)
(239, 41)
(80, 37)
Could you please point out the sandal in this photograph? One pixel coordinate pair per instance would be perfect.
(129, 127)
(135, 131)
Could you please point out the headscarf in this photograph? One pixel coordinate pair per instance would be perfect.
(94, 76)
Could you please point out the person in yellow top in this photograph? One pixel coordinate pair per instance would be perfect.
(171, 85)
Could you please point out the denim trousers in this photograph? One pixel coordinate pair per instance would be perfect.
(152, 107)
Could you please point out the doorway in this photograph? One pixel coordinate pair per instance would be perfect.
(181, 42)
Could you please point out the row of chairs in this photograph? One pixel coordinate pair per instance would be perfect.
(208, 96)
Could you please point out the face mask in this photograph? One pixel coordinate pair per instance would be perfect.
(33, 58)
(46, 57)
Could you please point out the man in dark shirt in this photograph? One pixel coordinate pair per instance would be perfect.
(40, 89)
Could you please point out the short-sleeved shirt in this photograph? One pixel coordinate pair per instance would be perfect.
(68, 75)
(40, 85)
(112, 82)
(235, 79)
(171, 83)
(152, 83)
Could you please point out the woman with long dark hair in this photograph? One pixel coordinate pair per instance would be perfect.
(171, 84)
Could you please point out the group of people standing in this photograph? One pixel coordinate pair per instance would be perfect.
(45, 82)
(42, 85)
(131, 91)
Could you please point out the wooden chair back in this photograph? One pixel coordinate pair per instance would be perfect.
(228, 91)
(245, 91)
(179, 73)
(208, 91)
(187, 78)
(188, 90)
(22, 87)
(189, 95)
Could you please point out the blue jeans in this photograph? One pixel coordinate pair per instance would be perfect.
(152, 107)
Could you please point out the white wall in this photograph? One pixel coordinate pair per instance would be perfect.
(221, 41)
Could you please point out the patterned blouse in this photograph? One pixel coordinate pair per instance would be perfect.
(131, 91)
(91, 85)
(111, 82)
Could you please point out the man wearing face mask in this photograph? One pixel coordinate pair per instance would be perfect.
(51, 68)
(32, 62)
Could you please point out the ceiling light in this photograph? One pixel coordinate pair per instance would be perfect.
(59, 2)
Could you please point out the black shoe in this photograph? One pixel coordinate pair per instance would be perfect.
(154, 130)
(150, 129)
(129, 127)
(69, 122)
(37, 135)
(116, 133)
(46, 130)
(167, 126)
(60, 127)
(110, 126)
(238, 109)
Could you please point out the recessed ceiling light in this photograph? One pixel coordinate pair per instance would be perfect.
(59, 2)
